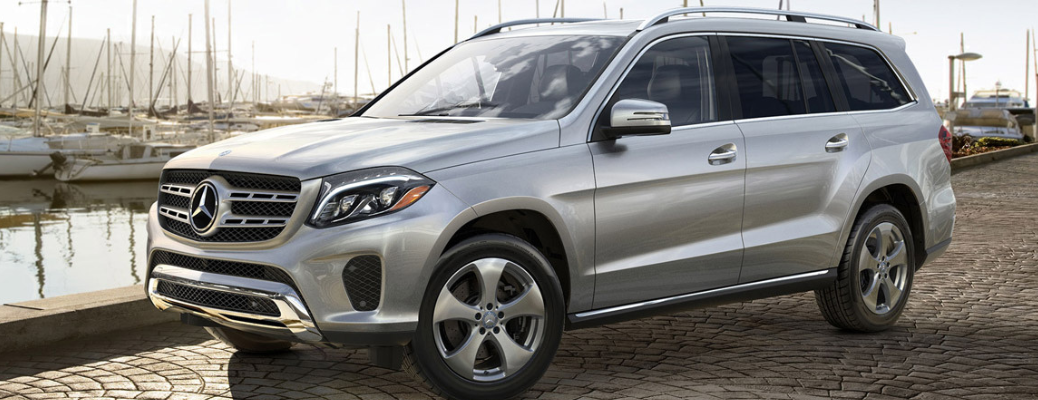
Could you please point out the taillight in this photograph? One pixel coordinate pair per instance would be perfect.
(946, 142)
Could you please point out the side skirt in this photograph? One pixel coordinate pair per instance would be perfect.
(707, 298)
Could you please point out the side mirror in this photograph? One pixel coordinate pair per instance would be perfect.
(636, 117)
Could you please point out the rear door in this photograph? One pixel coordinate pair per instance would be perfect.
(668, 219)
(805, 158)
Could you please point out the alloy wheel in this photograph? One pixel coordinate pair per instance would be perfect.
(883, 268)
(488, 320)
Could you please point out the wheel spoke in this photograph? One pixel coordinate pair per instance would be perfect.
(528, 304)
(512, 354)
(899, 255)
(893, 293)
(868, 261)
(871, 297)
(449, 307)
(463, 359)
(882, 234)
(489, 271)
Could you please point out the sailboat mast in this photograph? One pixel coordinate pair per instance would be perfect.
(389, 57)
(68, 56)
(208, 71)
(403, 6)
(1027, 65)
(133, 60)
(14, 63)
(230, 66)
(173, 72)
(39, 68)
(189, 67)
(356, 65)
(216, 82)
(151, 65)
(2, 43)
(456, 6)
(108, 67)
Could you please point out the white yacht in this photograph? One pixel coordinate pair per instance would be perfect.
(22, 155)
(136, 161)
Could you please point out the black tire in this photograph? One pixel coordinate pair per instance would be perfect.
(246, 342)
(843, 303)
(422, 359)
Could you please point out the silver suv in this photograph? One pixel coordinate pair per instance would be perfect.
(531, 181)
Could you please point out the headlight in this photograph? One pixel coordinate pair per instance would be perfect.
(359, 195)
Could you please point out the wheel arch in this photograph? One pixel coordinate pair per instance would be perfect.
(529, 219)
(902, 192)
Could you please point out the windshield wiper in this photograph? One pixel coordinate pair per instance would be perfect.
(439, 112)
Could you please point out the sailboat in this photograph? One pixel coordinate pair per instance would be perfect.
(23, 155)
(136, 161)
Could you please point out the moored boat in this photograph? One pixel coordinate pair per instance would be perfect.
(26, 156)
(131, 162)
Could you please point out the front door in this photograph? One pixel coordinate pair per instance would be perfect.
(668, 218)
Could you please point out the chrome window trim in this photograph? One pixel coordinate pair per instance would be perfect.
(630, 66)
(904, 83)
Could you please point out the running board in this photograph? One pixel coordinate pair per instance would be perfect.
(707, 298)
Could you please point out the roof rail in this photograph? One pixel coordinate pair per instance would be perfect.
(497, 28)
(792, 16)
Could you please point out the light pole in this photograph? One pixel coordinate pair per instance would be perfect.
(951, 76)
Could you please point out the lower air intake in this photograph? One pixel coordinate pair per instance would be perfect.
(216, 299)
(363, 280)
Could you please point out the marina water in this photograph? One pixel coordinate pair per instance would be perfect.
(62, 238)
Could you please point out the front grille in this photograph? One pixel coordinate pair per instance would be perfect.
(243, 183)
(363, 280)
(263, 208)
(216, 299)
(237, 179)
(232, 268)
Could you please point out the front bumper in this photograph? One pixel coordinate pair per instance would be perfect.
(292, 320)
(316, 306)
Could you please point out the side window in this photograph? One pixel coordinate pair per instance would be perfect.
(767, 77)
(867, 79)
(677, 73)
(816, 91)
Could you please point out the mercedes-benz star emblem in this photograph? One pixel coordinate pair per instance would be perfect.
(204, 203)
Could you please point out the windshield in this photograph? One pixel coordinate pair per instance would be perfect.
(539, 77)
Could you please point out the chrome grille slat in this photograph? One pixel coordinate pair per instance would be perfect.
(249, 221)
(264, 196)
(260, 205)
(178, 190)
(178, 214)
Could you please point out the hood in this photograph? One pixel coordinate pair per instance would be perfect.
(329, 147)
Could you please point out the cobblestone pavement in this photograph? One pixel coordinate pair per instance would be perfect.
(970, 331)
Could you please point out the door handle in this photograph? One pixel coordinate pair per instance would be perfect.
(722, 155)
(837, 143)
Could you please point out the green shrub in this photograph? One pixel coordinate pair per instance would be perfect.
(996, 142)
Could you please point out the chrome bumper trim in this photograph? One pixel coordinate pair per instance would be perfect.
(294, 318)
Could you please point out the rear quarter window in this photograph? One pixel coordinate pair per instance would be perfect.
(868, 81)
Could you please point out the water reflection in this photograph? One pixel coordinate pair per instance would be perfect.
(60, 238)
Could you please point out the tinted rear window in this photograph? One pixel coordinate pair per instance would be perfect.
(867, 79)
(767, 75)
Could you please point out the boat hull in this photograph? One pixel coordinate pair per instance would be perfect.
(86, 170)
(23, 164)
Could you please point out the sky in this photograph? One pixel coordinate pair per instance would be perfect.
(296, 39)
